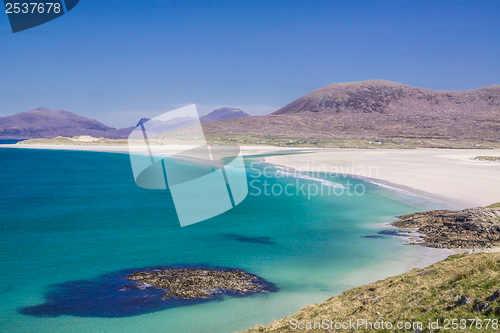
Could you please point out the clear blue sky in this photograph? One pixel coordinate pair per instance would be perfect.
(118, 61)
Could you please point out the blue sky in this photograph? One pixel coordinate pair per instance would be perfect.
(118, 61)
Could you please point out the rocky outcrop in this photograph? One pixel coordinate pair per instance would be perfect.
(187, 283)
(464, 300)
(481, 306)
(465, 229)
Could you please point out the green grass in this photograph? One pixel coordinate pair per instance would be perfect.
(420, 295)
(350, 143)
(242, 139)
(487, 158)
(494, 205)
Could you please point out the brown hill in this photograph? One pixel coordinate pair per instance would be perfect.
(377, 109)
(46, 123)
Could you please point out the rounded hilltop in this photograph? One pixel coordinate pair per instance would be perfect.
(392, 97)
(377, 110)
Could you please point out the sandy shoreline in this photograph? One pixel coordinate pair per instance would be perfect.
(247, 150)
(448, 175)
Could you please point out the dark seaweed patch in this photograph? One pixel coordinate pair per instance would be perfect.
(258, 240)
(114, 296)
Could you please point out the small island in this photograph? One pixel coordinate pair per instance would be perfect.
(185, 283)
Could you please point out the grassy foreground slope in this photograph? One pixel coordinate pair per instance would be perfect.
(450, 289)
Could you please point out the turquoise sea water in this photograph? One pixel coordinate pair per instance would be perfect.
(71, 216)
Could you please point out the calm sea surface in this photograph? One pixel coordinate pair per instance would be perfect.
(71, 220)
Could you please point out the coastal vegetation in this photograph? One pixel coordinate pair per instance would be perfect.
(364, 143)
(293, 141)
(464, 287)
(487, 158)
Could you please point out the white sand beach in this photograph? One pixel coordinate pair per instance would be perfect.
(450, 175)
(247, 150)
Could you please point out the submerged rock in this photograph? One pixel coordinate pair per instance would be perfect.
(247, 239)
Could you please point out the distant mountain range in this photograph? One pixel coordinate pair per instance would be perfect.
(377, 109)
(223, 113)
(181, 122)
(46, 123)
(356, 110)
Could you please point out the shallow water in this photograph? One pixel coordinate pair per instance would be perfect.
(77, 216)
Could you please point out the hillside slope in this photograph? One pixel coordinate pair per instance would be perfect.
(46, 123)
(377, 109)
(462, 287)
